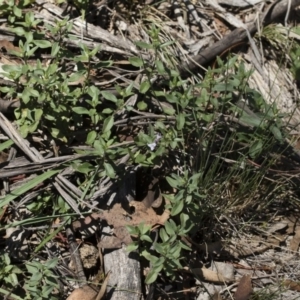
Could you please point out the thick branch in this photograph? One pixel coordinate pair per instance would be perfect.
(238, 35)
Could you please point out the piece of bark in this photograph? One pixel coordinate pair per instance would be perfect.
(125, 278)
(236, 36)
(124, 281)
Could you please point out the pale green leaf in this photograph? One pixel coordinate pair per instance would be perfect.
(151, 276)
(142, 105)
(132, 247)
(91, 137)
(42, 43)
(177, 208)
(6, 145)
(110, 172)
(80, 110)
(144, 45)
(172, 182)
(109, 96)
(136, 61)
(144, 87)
(108, 124)
(180, 120)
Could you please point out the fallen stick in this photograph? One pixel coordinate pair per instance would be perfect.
(238, 35)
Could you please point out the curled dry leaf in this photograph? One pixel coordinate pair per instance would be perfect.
(83, 293)
(244, 289)
(119, 219)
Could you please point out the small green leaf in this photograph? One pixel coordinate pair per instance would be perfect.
(85, 168)
(160, 67)
(251, 120)
(76, 76)
(42, 43)
(151, 276)
(166, 44)
(276, 131)
(177, 208)
(107, 111)
(255, 148)
(108, 124)
(184, 246)
(51, 263)
(172, 98)
(80, 110)
(144, 228)
(109, 96)
(132, 230)
(163, 235)
(17, 11)
(169, 111)
(55, 48)
(153, 259)
(183, 219)
(172, 182)
(144, 87)
(136, 61)
(143, 45)
(34, 93)
(110, 172)
(99, 147)
(31, 268)
(180, 120)
(91, 137)
(170, 229)
(132, 247)
(20, 31)
(142, 105)
(146, 238)
(6, 145)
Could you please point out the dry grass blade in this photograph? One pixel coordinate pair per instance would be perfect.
(103, 287)
(23, 144)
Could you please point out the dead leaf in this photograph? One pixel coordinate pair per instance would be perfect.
(244, 289)
(119, 219)
(216, 296)
(211, 276)
(153, 197)
(295, 242)
(7, 45)
(278, 227)
(3, 156)
(292, 285)
(83, 293)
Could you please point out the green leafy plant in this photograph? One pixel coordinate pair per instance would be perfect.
(42, 281)
(206, 136)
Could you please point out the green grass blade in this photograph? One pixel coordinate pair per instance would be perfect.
(6, 145)
(26, 187)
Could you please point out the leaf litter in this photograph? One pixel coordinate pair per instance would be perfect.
(194, 33)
